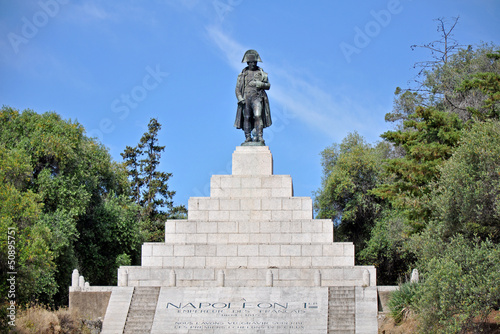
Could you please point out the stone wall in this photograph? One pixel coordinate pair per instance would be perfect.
(89, 305)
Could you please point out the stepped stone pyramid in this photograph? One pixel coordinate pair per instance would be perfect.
(249, 259)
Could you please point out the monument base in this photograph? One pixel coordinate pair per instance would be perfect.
(249, 259)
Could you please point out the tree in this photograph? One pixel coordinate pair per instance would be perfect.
(439, 83)
(466, 199)
(428, 138)
(58, 189)
(149, 185)
(350, 171)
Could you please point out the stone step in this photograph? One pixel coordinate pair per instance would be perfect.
(209, 277)
(341, 310)
(142, 310)
(266, 226)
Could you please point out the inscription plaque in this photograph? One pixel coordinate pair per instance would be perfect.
(242, 310)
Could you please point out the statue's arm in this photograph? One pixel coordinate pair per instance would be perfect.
(264, 84)
(239, 89)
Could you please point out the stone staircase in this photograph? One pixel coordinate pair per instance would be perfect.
(142, 310)
(341, 310)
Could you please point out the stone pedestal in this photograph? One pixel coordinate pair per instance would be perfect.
(249, 236)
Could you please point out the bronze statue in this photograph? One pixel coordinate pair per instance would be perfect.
(253, 112)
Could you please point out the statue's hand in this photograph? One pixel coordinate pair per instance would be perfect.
(241, 102)
(259, 84)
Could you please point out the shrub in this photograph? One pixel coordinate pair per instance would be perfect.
(460, 287)
(402, 302)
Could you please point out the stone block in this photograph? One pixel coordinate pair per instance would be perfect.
(163, 250)
(208, 204)
(263, 215)
(227, 250)
(261, 238)
(237, 262)
(170, 226)
(227, 227)
(290, 250)
(281, 215)
(293, 203)
(248, 227)
(290, 227)
(206, 227)
(251, 182)
(333, 249)
(198, 215)
(198, 238)
(302, 214)
(218, 238)
(322, 262)
(342, 261)
(301, 238)
(258, 262)
(204, 274)
(349, 249)
(229, 204)
(301, 262)
(248, 250)
(250, 204)
(281, 238)
(238, 238)
(242, 215)
(272, 204)
(312, 250)
(176, 238)
(282, 192)
(185, 274)
(149, 261)
(147, 249)
(269, 250)
(268, 226)
(185, 226)
(279, 261)
(216, 262)
(252, 160)
(205, 250)
(174, 262)
(312, 226)
(183, 250)
(218, 215)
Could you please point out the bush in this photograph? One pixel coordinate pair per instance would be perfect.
(402, 302)
(460, 287)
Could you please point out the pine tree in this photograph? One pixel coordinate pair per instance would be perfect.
(149, 185)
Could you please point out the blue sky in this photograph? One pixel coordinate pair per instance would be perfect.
(333, 67)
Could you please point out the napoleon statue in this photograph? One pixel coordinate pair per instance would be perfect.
(253, 114)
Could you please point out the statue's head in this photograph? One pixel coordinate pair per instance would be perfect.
(251, 56)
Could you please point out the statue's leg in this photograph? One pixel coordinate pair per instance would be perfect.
(259, 127)
(247, 123)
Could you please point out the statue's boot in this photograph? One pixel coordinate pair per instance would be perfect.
(248, 131)
(259, 129)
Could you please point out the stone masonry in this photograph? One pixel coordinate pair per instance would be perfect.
(253, 233)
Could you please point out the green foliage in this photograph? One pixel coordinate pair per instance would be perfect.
(487, 83)
(460, 286)
(402, 303)
(466, 198)
(386, 249)
(442, 85)
(150, 186)
(428, 138)
(350, 170)
(65, 198)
